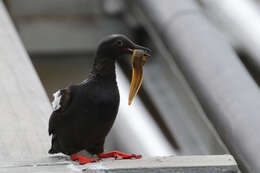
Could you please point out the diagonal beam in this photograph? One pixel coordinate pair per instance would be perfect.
(24, 107)
(226, 91)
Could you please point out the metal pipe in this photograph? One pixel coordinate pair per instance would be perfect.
(239, 20)
(225, 89)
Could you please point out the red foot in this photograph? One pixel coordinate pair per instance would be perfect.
(118, 155)
(82, 159)
(73, 157)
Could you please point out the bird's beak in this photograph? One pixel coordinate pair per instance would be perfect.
(135, 46)
(138, 60)
(145, 49)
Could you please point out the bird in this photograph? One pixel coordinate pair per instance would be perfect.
(84, 113)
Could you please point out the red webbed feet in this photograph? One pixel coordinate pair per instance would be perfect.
(82, 159)
(119, 155)
(114, 154)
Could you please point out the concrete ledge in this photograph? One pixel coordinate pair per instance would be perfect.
(180, 164)
(212, 164)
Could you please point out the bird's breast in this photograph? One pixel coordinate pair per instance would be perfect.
(100, 96)
(109, 97)
(108, 102)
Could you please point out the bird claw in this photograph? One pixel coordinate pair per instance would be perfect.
(82, 159)
(119, 155)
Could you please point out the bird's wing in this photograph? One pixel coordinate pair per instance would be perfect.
(62, 99)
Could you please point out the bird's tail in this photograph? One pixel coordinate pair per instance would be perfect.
(55, 147)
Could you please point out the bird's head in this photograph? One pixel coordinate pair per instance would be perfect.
(117, 45)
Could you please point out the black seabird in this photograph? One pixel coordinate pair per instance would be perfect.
(84, 113)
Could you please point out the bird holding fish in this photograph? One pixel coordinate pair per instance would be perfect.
(84, 113)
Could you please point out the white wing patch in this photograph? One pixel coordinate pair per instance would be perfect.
(56, 102)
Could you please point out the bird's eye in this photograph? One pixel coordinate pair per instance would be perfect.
(119, 43)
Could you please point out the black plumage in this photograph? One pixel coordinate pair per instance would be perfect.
(84, 113)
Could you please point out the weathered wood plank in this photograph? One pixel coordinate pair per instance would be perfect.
(23, 102)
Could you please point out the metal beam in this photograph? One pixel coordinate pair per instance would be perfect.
(225, 89)
(171, 164)
(24, 107)
(241, 28)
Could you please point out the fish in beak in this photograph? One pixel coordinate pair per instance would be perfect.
(138, 60)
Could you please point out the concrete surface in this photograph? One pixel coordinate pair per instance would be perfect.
(180, 164)
(24, 106)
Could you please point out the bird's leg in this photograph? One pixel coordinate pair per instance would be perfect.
(119, 155)
(82, 159)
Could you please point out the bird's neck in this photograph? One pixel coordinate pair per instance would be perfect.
(104, 67)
